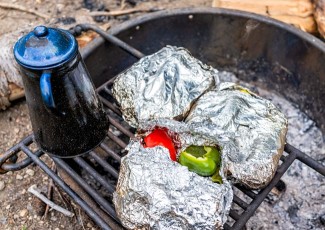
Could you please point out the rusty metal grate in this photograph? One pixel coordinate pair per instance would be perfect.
(102, 164)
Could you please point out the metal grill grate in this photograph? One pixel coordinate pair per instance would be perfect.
(102, 164)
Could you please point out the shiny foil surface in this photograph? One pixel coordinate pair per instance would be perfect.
(154, 192)
(184, 134)
(250, 130)
(162, 85)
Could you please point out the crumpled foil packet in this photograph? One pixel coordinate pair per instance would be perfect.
(250, 130)
(162, 85)
(185, 136)
(154, 192)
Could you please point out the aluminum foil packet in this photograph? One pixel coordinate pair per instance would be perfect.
(180, 131)
(162, 85)
(250, 130)
(154, 192)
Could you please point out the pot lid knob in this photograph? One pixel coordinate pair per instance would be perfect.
(40, 31)
(45, 48)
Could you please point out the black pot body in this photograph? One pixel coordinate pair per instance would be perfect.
(78, 123)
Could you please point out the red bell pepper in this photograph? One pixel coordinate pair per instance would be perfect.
(160, 137)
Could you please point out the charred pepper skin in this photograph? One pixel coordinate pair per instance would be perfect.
(203, 160)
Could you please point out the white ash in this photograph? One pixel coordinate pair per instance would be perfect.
(302, 206)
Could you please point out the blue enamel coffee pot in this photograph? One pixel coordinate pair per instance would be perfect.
(67, 117)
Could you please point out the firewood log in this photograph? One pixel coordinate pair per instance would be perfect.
(296, 12)
(11, 86)
(319, 15)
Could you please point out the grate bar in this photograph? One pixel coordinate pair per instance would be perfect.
(249, 193)
(22, 164)
(82, 163)
(109, 95)
(114, 40)
(106, 84)
(120, 127)
(110, 152)
(108, 90)
(240, 202)
(110, 105)
(226, 226)
(92, 192)
(107, 167)
(282, 158)
(15, 149)
(116, 139)
(66, 188)
(233, 214)
(240, 223)
(306, 159)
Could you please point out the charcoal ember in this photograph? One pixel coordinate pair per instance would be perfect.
(154, 192)
(96, 5)
(292, 211)
(123, 17)
(162, 85)
(276, 193)
(322, 219)
(250, 130)
(132, 2)
(101, 18)
(66, 20)
(92, 4)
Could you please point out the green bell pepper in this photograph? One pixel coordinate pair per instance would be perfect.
(203, 160)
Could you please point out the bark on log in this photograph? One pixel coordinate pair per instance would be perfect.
(319, 15)
(11, 86)
(296, 12)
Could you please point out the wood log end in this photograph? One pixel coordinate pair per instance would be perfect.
(86, 37)
(297, 13)
(16, 92)
(4, 103)
(319, 14)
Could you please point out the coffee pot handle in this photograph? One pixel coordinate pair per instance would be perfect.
(46, 90)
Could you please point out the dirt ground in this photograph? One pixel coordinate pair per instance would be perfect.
(18, 208)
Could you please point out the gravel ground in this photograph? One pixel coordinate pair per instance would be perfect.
(18, 208)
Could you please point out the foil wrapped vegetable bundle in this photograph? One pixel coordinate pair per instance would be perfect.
(250, 130)
(154, 192)
(174, 91)
(162, 85)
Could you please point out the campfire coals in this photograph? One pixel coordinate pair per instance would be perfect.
(303, 185)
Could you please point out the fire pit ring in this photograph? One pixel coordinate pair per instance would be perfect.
(222, 38)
